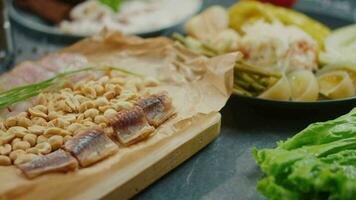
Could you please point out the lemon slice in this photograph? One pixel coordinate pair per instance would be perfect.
(304, 86)
(336, 84)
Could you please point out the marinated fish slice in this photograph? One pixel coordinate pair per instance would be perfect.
(58, 161)
(131, 126)
(157, 108)
(90, 146)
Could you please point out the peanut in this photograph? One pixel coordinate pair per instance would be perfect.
(14, 154)
(30, 138)
(33, 150)
(18, 131)
(38, 111)
(24, 122)
(121, 105)
(114, 88)
(41, 139)
(2, 126)
(99, 89)
(44, 148)
(100, 119)
(110, 113)
(7, 137)
(24, 158)
(21, 145)
(5, 149)
(66, 138)
(101, 101)
(22, 114)
(39, 121)
(54, 115)
(70, 118)
(2, 134)
(89, 92)
(88, 123)
(72, 103)
(80, 117)
(75, 127)
(85, 106)
(102, 125)
(91, 113)
(60, 122)
(81, 98)
(128, 95)
(110, 94)
(104, 108)
(56, 141)
(103, 80)
(10, 122)
(15, 141)
(62, 106)
(4, 160)
(36, 129)
(55, 131)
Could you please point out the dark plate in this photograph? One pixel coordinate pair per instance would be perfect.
(35, 23)
(289, 109)
(332, 107)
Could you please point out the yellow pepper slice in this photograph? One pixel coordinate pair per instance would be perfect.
(247, 11)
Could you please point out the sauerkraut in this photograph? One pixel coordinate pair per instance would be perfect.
(275, 45)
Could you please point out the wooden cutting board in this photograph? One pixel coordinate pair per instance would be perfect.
(124, 178)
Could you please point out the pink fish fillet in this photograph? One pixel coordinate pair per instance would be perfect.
(33, 72)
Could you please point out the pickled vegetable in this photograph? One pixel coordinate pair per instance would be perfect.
(336, 84)
(304, 86)
(248, 11)
(279, 91)
(340, 47)
(342, 39)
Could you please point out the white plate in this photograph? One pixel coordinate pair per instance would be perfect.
(33, 22)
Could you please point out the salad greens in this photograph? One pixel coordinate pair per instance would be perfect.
(113, 4)
(317, 163)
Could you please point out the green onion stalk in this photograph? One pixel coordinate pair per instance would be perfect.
(25, 92)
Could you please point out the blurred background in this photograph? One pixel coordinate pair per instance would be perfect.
(30, 44)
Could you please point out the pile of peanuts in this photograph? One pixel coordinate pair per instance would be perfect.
(60, 115)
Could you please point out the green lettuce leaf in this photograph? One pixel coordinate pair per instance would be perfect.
(317, 163)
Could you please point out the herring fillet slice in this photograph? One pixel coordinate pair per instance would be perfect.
(57, 161)
(31, 72)
(90, 146)
(131, 125)
(157, 108)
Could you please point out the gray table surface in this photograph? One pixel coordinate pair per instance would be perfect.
(224, 169)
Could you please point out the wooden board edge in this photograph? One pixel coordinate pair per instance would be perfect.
(165, 164)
